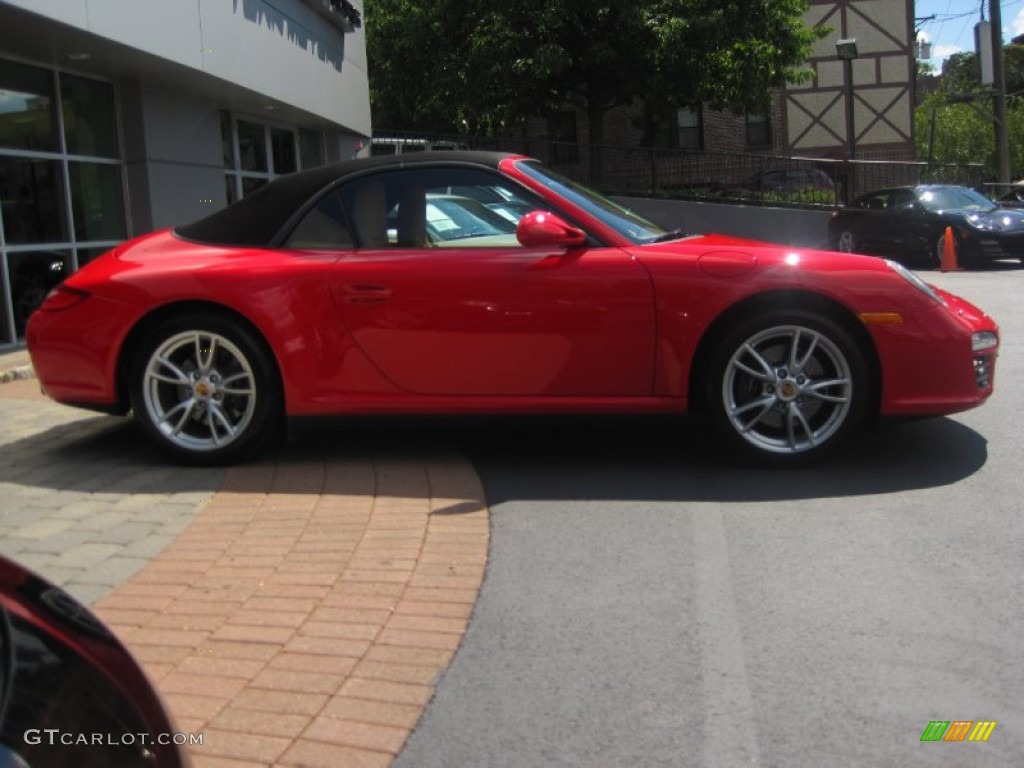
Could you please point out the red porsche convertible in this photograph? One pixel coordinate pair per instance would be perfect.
(467, 282)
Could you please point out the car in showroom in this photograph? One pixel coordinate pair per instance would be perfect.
(70, 693)
(32, 275)
(910, 223)
(324, 293)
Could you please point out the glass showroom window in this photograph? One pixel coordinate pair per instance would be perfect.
(256, 152)
(61, 184)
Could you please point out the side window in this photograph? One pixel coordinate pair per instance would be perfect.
(901, 201)
(323, 228)
(875, 203)
(437, 208)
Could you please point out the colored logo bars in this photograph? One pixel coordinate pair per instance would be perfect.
(958, 730)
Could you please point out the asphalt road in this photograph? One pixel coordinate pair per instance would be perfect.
(646, 604)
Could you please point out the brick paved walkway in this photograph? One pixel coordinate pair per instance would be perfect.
(296, 612)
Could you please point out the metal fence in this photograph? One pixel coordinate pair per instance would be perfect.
(721, 176)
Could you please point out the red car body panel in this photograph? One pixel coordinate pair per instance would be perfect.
(612, 327)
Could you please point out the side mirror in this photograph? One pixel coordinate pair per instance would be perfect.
(539, 229)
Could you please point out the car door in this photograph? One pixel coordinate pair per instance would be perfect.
(857, 224)
(443, 299)
(907, 225)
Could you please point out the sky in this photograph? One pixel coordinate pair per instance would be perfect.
(952, 29)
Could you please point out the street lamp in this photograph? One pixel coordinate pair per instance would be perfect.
(847, 51)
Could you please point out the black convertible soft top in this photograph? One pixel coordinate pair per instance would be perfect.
(264, 217)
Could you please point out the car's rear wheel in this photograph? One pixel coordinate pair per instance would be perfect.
(846, 242)
(206, 389)
(786, 386)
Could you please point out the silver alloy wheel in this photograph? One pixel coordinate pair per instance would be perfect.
(787, 389)
(199, 391)
(846, 243)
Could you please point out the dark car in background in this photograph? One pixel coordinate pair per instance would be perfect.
(1012, 199)
(70, 693)
(910, 223)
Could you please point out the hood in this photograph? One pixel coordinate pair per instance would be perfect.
(997, 220)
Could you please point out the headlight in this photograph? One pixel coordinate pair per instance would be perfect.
(982, 340)
(915, 281)
(979, 222)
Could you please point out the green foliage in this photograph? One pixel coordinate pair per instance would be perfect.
(805, 197)
(477, 66)
(960, 72)
(964, 133)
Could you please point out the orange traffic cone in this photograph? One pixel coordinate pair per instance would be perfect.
(949, 262)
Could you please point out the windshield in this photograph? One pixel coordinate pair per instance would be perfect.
(628, 224)
(955, 199)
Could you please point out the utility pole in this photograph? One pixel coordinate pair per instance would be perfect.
(999, 84)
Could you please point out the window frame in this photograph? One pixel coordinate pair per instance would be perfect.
(235, 175)
(485, 178)
(71, 244)
(755, 124)
(696, 130)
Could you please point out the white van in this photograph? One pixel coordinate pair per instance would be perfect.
(380, 146)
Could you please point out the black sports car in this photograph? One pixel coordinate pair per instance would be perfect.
(910, 223)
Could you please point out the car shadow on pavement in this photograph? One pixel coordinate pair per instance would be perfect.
(627, 457)
(673, 460)
(101, 454)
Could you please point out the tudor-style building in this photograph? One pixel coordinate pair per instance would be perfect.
(814, 115)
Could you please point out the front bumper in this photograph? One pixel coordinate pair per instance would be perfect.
(992, 246)
(939, 361)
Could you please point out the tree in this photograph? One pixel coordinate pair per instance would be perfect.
(963, 122)
(963, 133)
(960, 72)
(478, 66)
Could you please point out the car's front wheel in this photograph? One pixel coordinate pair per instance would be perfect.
(786, 386)
(205, 388)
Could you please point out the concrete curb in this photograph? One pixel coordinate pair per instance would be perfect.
(17, 373)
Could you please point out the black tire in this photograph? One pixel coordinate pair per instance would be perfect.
(206, 389)
(786, 386)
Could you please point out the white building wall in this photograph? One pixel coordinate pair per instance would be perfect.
(172, 156)
(316, 67)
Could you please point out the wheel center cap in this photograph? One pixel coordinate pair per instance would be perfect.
(788, 390)
(203, 389)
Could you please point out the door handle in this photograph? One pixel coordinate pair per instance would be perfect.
(365, 294)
